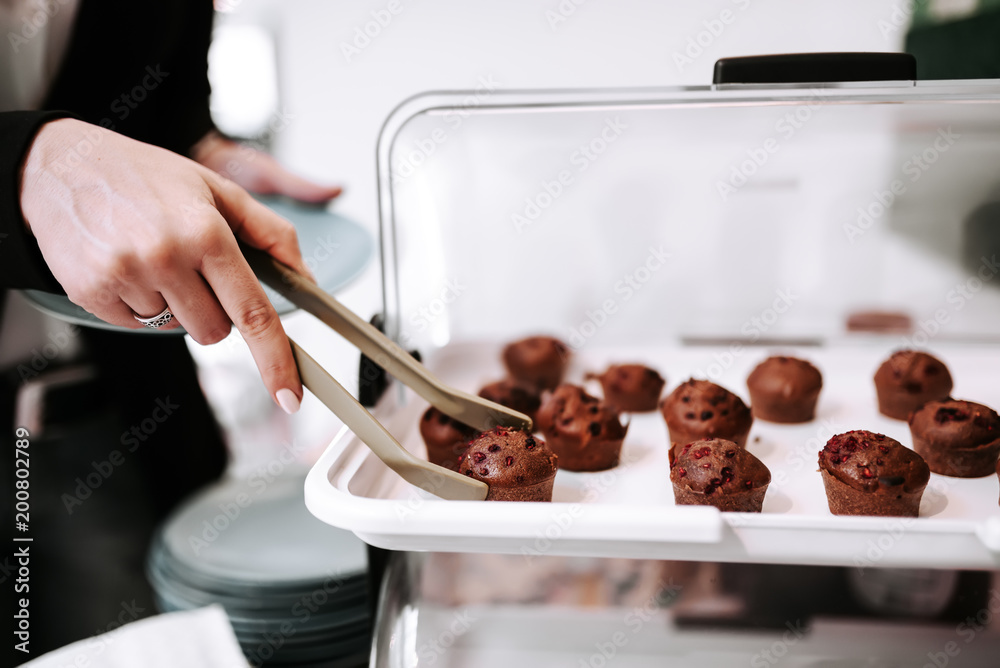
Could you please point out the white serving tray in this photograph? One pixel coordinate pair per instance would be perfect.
(629, 511)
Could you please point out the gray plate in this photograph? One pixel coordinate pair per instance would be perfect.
(164, 570)
(236, 534)
(335, 248)
(331, 625)
(254, 603)
(290, 654)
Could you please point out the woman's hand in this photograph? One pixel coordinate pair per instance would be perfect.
(128, 228)
(257, 172)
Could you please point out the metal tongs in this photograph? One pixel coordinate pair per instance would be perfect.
(462, 406)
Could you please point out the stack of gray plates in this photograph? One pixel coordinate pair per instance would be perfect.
(295, 589)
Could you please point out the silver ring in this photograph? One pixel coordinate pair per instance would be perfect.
(157, 321)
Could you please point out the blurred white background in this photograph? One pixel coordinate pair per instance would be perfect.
(335, 70)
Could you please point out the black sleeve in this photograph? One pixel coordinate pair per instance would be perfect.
(21, 263)
(184, 114)
(138, 68)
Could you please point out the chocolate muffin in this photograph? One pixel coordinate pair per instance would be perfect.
(446, 438)
(784, 389)
(957, 438)
(521, 398)
(908, 380)
(538, 361)
(516, 465)
(871, 474)
(717, 472)
(700, 409)
(632, 388)
(584, 431)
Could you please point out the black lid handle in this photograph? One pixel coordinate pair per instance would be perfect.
(815, 68)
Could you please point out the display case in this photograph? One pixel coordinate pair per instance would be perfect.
(697, 230)
(501, 610)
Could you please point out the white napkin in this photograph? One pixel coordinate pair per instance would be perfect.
(200, 638)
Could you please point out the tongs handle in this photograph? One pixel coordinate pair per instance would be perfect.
(434, 479)
(466, 408)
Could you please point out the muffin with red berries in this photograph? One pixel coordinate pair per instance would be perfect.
(585, 432)
(717, 472)
(865, 473)
(508, 392)
(514, 464)
(700, 409)
(537, 361)
(446, 438)
(957, 438)
(908, 380)
(784, 389)
(631, 388)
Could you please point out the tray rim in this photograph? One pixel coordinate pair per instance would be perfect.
(711, 535)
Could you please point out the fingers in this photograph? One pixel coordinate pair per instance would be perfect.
(258, 225)
(290, 185)
(259, 172)
(116, 304)
(239, 294)
(196, 307)
(146, 304)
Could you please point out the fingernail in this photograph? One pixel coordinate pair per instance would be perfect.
(288, 401)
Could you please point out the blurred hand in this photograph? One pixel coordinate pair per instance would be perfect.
(257, 172)
(126, 228)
